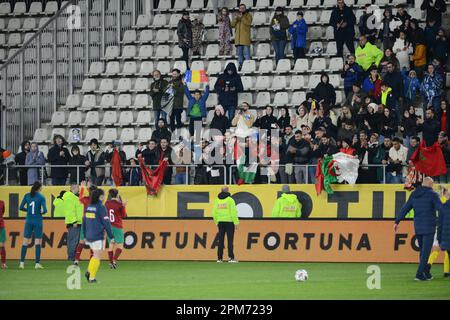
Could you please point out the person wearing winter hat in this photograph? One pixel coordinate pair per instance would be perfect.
(279, 24)
(287, 206)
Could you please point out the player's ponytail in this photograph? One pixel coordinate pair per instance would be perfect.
(35, 188)
(95, 196)
(112, 193)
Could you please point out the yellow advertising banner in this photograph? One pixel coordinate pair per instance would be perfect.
(375, 201)
(255, 240)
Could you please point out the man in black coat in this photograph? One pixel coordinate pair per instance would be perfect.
(298, 153)
(227, 86)
(20, 160)
(430, 128)
(393, 78)
(59, 155)
(161, 131)
(157, 89)
(343, 22)
(434, 10)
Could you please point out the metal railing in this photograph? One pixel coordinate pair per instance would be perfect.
(52, 62)
(45, 176)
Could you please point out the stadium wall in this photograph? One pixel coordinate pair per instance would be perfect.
(255, 240)
(375, 201)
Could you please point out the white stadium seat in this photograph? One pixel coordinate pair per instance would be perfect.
(109, 135)
(107, 101)
(279, 83)
(109, 117)
(127, 135)
(58, 118)
(249, 66)
(144, 117)
(92, 133)
(144, 134)
(124, 84)
(280, 99)
(141, 84)
(262, 83)
(141, 101)
(92, 118)
(124, 100)
(262, 99)
(40, 135)
(75, 118)
(106, 85)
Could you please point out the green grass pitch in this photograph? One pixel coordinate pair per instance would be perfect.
(209, 280)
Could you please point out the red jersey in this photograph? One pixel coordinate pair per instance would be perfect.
(2, 212)
(116, 211)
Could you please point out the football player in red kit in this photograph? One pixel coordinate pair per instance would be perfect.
(2, 235)
(115, 208)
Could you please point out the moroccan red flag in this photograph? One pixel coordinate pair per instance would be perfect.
(116, 168)
(152, 179)
(429, 160)
(319, 177)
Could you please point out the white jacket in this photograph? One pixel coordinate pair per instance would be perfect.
(401, 54)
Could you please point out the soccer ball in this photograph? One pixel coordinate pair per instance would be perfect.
(301, 275)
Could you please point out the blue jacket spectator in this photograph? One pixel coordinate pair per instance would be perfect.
(351, 74)
(426, 203)
(196, 106)
(411, 85)
(432, 88)
(298, 30)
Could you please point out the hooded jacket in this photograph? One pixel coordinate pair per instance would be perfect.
(224, 209)
(346, 15)
(325, 91)
(443, 230)
(220, 122)
(368, 55)
(287, 206)
(298, 30)
(425, 203)
(55, 159)
(228, 86)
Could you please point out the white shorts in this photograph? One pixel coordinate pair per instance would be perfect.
(96, 245)
(435, 242)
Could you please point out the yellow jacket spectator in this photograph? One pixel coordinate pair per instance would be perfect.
(367, 54)
(226, 218)
(287, 206)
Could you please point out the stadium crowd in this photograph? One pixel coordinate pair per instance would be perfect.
(394, 93)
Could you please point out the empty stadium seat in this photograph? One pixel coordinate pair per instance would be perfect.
(214, 67)
(75, 118)
(143, 21)
(262, 83)
(109, 135)
(197, 65)
(58, 118)
(89, 85)
(144, 117)
(180, 65)
(248, 66)
(127, 135)
(129, 37)
(128, 52)
(40, 135)
(124, 84)
(112, 52)
(141, 101)
(96, 68)
(263, 50)
(92, 118)
(146, 36)
(266, 66)
(212, 51)
(144, 134)
(109, 117)
(297, 82)
(318, 65)
(106, 85)
(209, 19)
(245, 97)
(124, 100)
(247, 82)
(159, 20)
(279, 83)
(92, 133)
(280, 99)
(107, 101)
(146, 68)
(262, 99)
(297, 98)
(129, 68)
(130, 151)
(73, 101)
(336, 64)
(145, 52)
(284, 65)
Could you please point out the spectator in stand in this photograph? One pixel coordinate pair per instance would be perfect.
(184, 157)
(58, 155)
(355, 98)
(343, 22)
(441, 47)
(165, 152)
(411, 86)
(442, 115)
(284, 119)
(282, 151)
(184, 32)
(393, 78)
(323, 120)
(415, 32)
(432, 89)
(303, 117)
(346, 115)
(346, 147)
(20, 160)
(409, 125)
(288, 133)
(443, 142)
(325, 148)
(402, 14)
(161, 131)
(95, 163)
(366, 152)
(225, 32)
(397, 160)
(386, 98)
(150, 153)
(445, 106)
(219, 120)
(266, 120)
(388, 57)
(34, 158)
(177, 85)
(430, 127)
(347, 131)
(372, 84)
(77, 174)
(325, 92)
(196, 110)
(351, 74)
(298, 30)
(278, 26)
(413, 145)
(402, 49)
(434, 10)
(243, 121)
(430, 33)
(133, 173)
(227, 86)
(157, 89)
(388, 127)
(298, 153)
(116, 145)
(366, 26)
(198, 31)
(386, 33)
(367, 54)
(242, 24)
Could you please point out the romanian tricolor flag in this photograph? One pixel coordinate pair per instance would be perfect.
(196, 76)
